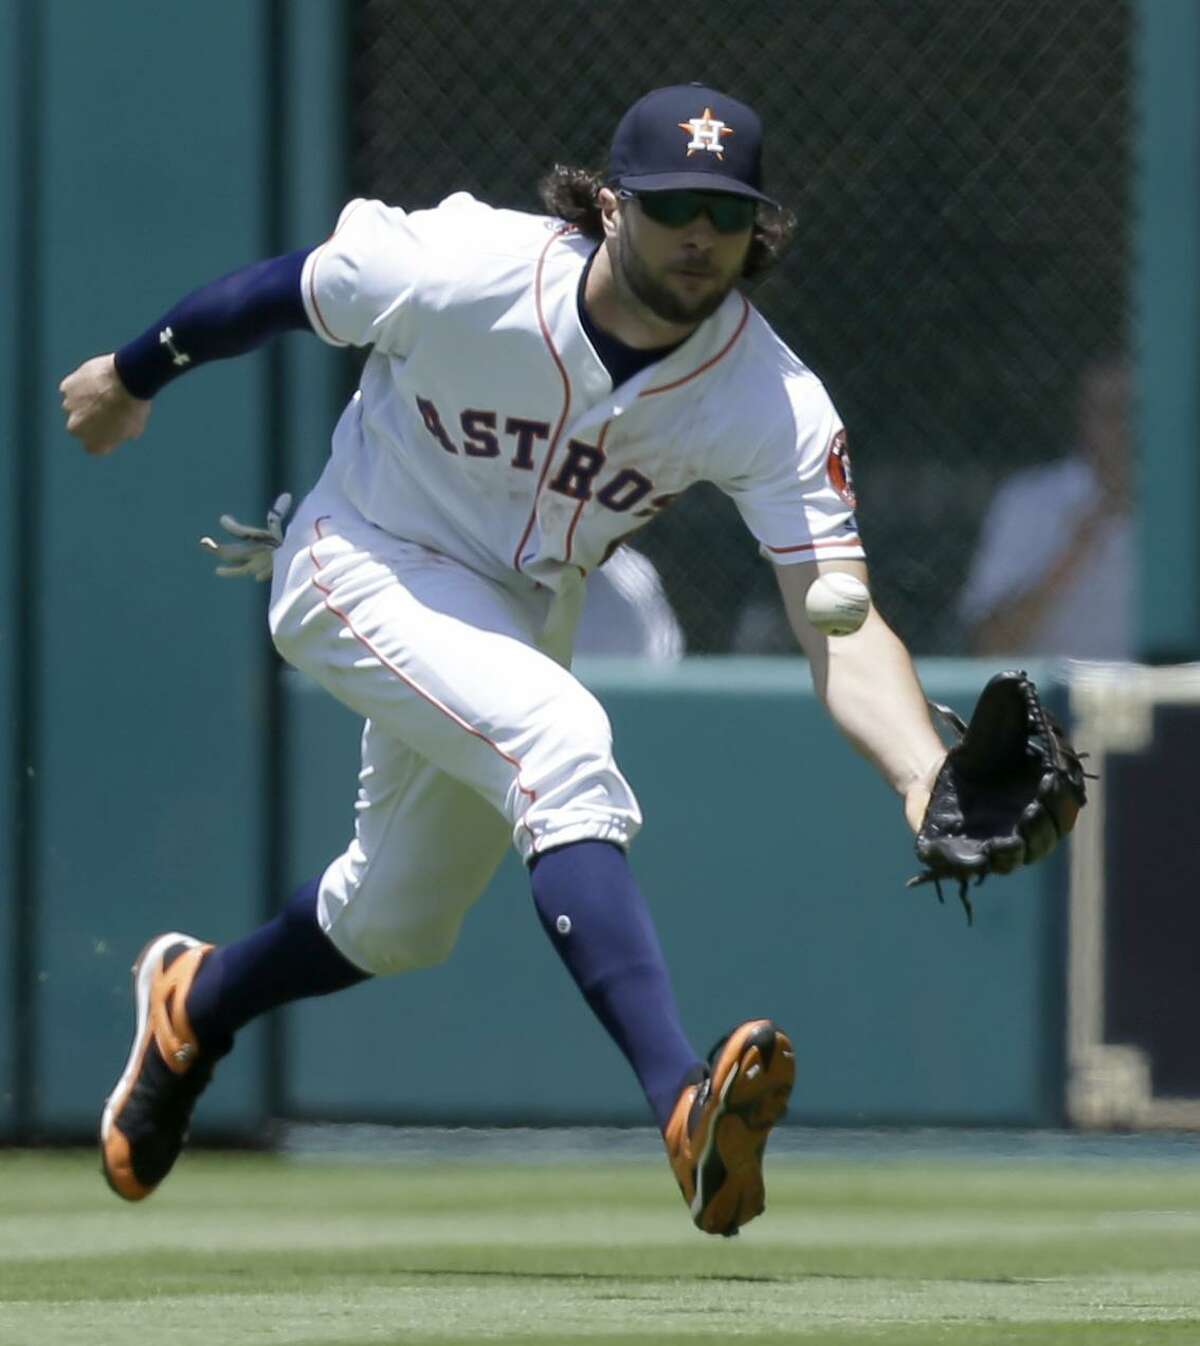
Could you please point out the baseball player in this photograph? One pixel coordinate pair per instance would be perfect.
(537, 388)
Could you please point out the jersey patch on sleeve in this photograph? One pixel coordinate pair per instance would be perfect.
(838, 467)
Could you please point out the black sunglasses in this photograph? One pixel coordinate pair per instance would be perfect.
(729, 214)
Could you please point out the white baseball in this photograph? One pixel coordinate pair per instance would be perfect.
(837, 604)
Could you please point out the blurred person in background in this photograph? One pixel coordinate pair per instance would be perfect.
(626, 612)
(1053, 571)
(761, 625)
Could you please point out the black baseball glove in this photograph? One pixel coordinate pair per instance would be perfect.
(1008, 792)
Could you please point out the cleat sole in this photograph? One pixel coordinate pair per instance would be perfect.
(143, 971)
(754, 1096)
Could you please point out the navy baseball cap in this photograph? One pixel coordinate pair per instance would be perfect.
(689, 137)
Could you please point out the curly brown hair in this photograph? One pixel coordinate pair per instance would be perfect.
(571, 194)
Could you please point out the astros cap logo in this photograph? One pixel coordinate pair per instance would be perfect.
(706, 132)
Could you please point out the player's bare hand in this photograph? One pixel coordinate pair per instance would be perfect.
(100, 412)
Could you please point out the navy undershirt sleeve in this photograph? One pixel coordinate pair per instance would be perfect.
(229, 317)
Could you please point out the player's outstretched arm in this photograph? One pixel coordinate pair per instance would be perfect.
(1004, 796)
(107, 399)
(870, 687)
(101, 413)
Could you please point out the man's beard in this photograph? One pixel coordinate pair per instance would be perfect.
(661, 301)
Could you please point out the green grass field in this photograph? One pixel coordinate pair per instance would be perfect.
(289, 1251)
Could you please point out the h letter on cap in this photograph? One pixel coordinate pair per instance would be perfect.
(706, 132)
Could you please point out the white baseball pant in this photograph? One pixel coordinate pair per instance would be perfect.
(473, 735)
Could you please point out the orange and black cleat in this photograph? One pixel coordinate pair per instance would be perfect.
(146, 1117)
(718, 1131)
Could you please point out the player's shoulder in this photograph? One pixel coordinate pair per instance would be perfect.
(499, 225)
(788, 391)
(460, 225)
(776, 418)
(501, 231)
(774, 353)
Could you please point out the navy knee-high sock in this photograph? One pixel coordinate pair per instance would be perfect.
(289, 958)
(597, 919)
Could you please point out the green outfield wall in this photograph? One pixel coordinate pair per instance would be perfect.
(775, 862)
(1166, 335)
(11, 481)
(150, 148)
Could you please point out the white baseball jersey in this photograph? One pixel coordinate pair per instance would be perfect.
(487, 429)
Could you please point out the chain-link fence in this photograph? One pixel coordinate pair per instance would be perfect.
(960, 169)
